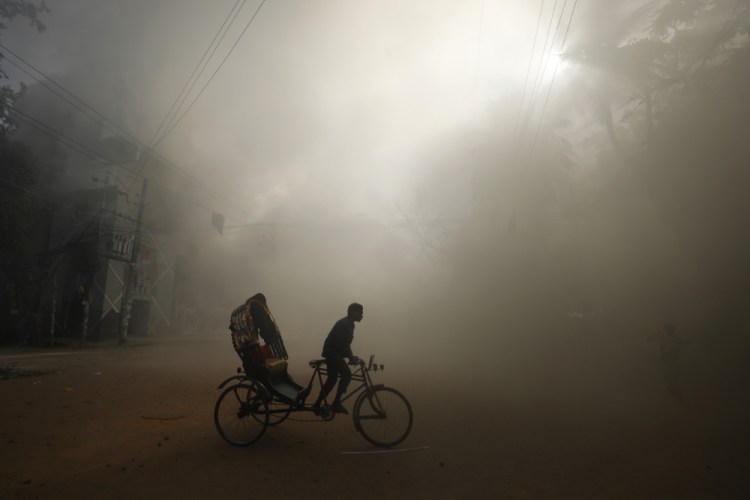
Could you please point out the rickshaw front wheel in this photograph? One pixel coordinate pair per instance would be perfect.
(383, 416)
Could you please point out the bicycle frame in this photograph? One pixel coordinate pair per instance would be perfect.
(250, 404)
(360, 374)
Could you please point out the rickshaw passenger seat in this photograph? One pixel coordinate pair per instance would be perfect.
(280, 381)
(275, 365)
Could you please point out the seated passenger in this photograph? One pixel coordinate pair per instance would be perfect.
(266, 325)
(250, 323)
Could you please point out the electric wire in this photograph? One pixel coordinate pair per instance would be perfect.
(168, 120)
(113, 127)
(541, 68)
(95, 156)
(37, 194)
(512, 220)
(180, 99)
(528, 69)
(212, 75)
(61, 137)
(552, 81)
(195, 75)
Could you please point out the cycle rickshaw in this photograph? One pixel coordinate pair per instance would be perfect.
(251, 402)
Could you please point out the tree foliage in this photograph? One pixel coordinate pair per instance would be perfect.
(653, 215)
(673, 179)
(19, 210)
(10, 10)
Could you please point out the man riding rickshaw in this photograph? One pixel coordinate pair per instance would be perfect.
(266, 395)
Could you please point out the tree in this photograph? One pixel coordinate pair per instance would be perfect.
(655, 57)
(669, 88)
(9, 10)
(19, 210)
(657, 217)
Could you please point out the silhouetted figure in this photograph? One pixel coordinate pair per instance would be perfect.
(670, 348)
(337, 346)
(266, 325)
(251, 322)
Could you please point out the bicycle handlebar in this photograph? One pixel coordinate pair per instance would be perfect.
(367, 366)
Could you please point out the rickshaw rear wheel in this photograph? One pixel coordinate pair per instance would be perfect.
(241, 414)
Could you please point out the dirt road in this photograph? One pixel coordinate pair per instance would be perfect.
(136, 422)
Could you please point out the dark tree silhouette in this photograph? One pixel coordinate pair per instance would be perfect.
(19, 210)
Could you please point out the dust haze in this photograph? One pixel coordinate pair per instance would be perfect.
(518, 196)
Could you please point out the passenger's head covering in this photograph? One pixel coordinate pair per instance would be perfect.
(259, 297)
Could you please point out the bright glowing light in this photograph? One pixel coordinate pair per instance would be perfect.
(557, 62)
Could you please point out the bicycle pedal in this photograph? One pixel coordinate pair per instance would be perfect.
(326, 413)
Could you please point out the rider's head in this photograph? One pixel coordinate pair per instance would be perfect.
(355, 311)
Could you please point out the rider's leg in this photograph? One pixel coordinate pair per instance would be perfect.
(333, 375)
(327, 386)
(345, 376)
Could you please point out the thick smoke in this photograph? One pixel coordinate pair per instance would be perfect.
(383, 155)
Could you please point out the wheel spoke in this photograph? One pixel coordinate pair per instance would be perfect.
(232, 414)
(384, 417)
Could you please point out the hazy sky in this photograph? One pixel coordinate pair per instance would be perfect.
(348, 126)
(354, 135)
(334, 105)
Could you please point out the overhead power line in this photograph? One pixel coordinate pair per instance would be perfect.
(541, 68)
(168, 121)
(528, 69)
(552, 81)
(56, 88)
(61, 137)
(36, 193)
(512, 218)
(96, 156)
(213, 74)
(204, 60)
(87, 110)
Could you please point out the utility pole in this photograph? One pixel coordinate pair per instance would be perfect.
(54, 311)
(649, 121)
(90, 280)
(128, 281)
